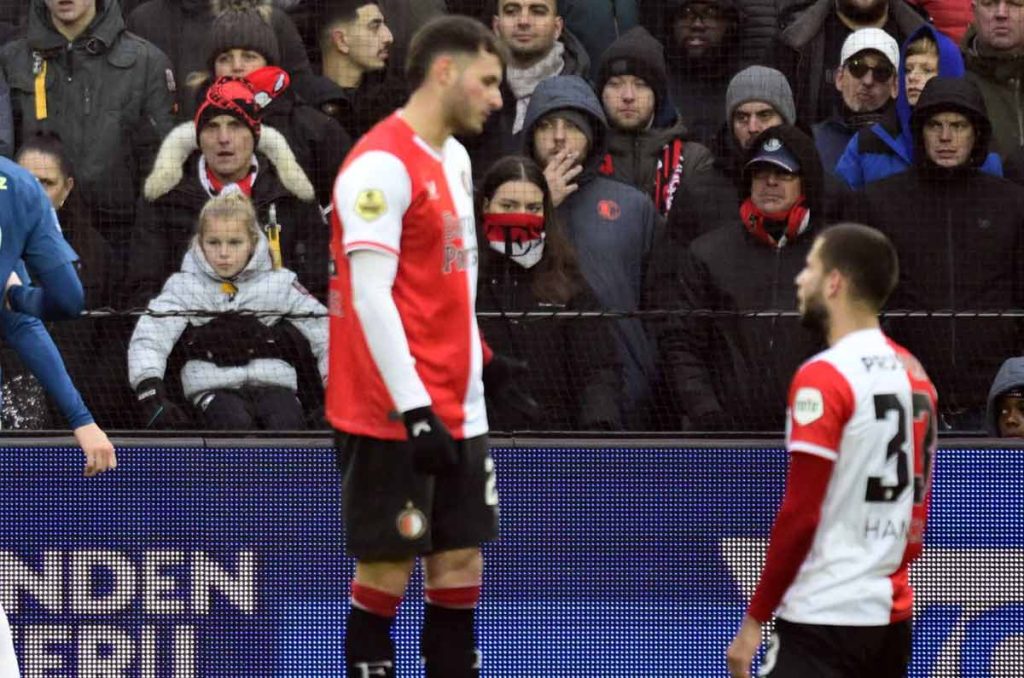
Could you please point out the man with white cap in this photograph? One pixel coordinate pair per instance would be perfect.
(866, 80)
(810, 42)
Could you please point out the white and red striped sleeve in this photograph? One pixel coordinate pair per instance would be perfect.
(821, 402)
(371, 196)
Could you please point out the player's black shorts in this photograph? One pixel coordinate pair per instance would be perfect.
(803, 650)
(393, 513)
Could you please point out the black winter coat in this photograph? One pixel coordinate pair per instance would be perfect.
(575, 373)
(959, 236)
(356, 110)
(165, 227)
(319, 142)
(733, 370)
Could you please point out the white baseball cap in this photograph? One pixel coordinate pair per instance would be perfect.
(871, 38)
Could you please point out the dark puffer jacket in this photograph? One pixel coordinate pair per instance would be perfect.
(108, 96)
(319, 142)
(959, 233)
(731, 369)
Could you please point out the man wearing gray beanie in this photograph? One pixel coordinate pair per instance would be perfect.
(751, 93)
(757, 98)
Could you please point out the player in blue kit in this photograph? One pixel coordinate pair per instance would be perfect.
(30, 234)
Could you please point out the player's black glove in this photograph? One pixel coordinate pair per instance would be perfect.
(500, 376)
(433, 449)
(158, 411)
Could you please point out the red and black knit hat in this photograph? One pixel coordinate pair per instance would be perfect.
(242, 98)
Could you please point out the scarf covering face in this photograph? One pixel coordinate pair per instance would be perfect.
(796, 220)
(519, 236)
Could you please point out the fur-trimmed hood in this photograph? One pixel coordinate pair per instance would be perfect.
(169, 167)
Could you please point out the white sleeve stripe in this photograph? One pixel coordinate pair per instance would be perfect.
(816, 450)
(369, 245)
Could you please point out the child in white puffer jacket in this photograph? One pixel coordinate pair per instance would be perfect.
(239, 373)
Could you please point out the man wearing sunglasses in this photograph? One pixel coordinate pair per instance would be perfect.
(866, 81)
(811, 42)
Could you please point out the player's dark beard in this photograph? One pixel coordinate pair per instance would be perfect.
(863, 15)
(815, 316)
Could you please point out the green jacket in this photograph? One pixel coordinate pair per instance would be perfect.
(1001, 81)
(109, 95)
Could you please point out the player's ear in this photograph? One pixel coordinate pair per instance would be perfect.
(444, 69)
(833, 283)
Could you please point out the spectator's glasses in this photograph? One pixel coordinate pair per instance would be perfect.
(706, 13)
(859, 68)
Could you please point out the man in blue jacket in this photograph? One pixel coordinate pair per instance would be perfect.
(610, 224)
(886, 147)
(866, 81)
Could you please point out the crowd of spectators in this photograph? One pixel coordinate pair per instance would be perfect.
(664, 162)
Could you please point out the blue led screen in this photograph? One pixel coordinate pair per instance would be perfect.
(208, 561)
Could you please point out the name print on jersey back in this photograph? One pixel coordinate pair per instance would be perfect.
(867, 405)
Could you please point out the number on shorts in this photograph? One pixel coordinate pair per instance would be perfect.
(491, 486)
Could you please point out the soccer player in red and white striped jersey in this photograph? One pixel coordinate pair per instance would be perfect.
(405, 387)
(861, 437)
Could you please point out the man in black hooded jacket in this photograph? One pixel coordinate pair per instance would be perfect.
(959, 233)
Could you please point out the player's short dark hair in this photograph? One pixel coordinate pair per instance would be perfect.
(865, 256)
(48, 143)
(450, 34)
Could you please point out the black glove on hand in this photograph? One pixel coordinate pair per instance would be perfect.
(158, 411)
(433, 449)
(500, 376)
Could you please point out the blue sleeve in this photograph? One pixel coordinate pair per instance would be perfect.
(35, 347)
(47, 256)
(58, 296)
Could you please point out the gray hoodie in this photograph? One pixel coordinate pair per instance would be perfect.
(611, 225)
(1010, 376)
(197, 287)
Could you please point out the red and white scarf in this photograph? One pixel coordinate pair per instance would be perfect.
(516, 235)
